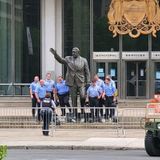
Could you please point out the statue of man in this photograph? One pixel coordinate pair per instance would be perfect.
(77, 75)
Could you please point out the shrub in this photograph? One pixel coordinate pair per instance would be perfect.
(3, 152)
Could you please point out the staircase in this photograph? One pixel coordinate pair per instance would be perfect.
(130, 115)
(10, 101)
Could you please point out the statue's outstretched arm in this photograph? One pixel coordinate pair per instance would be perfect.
(57, 57)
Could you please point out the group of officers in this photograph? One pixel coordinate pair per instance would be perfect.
(102, 93)
(47, 94)
(44, 95)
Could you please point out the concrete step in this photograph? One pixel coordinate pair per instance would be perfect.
(135, 103)
(77, 126)
(25, 101)
(12, 115)
(29, 122)
(10, 101)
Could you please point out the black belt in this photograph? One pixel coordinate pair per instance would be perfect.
(93, 97)
(49, 91)
(109, 96)
(65, 94)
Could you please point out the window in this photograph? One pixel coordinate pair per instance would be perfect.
(77, 27)
(103, 38)
(20, 43)
(156, 42)
(138, 44)
(27, 40)
(5, 41)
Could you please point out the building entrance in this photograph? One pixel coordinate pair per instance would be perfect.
(107, 68)
(136, 79)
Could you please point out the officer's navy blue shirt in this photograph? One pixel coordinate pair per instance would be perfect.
(33, 86)
(61, 88)
(53, 105)
(109, 89)
(94, 91)
(41, 91)
(49, 85)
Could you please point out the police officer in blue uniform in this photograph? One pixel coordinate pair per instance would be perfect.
(94, 93)
(108, 96)
(40, 93)
(62, 91)
(49, 83)
(32, 88)
(47, 113)
(111, 80)
(100, 83)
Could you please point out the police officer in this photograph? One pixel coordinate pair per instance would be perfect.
(62, 91)
(114, 85)
(32, 88)
(111, 80)
(47, 113)
(108, 96)
(40, 93)
(100, 83)
(49, 83)
(94, 93)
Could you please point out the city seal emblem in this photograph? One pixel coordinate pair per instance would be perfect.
(134, 11)
(134, 17)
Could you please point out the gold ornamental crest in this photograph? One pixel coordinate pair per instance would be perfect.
(134, 17)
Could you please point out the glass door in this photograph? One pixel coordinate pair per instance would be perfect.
(157, 78)
(112, 71)
(131, 79)
(136, 79)
(107, 68)
(101, 69)
(141, 67)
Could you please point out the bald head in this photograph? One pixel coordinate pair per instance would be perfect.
(41, 82)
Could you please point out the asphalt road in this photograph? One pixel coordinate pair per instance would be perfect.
(78, 155)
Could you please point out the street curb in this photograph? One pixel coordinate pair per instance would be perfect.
(72, 147)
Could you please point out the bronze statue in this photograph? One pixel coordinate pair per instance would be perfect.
(77, 75)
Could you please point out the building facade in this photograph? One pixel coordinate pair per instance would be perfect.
(28, 28)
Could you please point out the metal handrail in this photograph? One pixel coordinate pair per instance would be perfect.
(21, 84)
(12, 86)
(6, 84)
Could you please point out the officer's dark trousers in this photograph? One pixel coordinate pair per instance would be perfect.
(34, 104)
(109, 113)
(101, 103)
(39, 110)
(46, 114)
(64, 101)
(94, 103)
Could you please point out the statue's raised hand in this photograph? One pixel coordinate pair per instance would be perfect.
(52, 51)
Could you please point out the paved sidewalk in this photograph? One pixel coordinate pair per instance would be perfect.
(73, 139)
